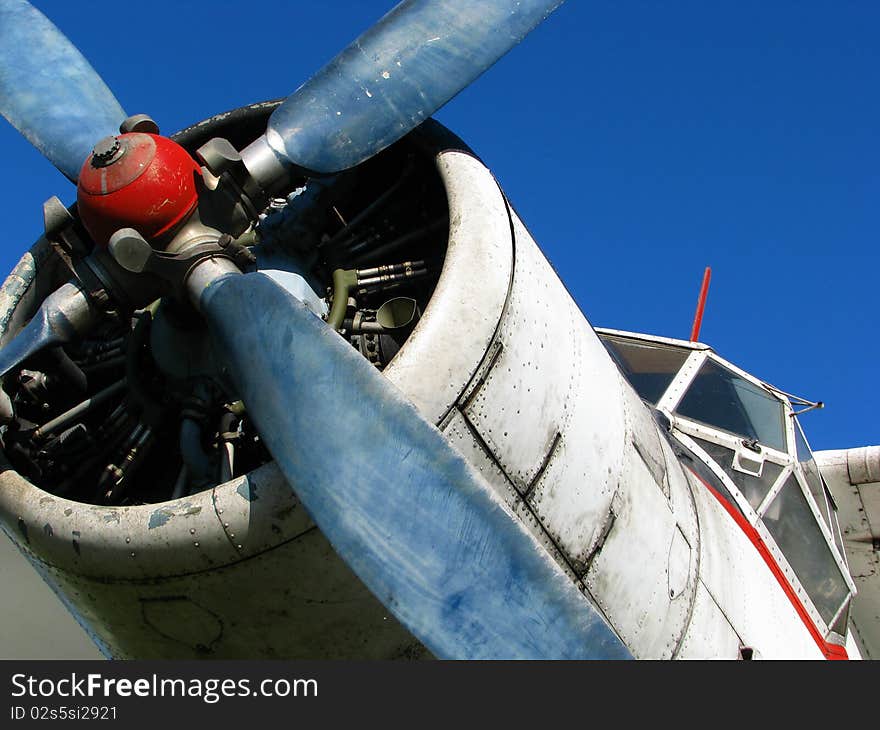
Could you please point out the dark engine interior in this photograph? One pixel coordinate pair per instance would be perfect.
(139, 411)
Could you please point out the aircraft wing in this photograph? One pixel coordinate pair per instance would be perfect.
(853, 476)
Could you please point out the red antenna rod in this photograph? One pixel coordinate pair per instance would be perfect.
(701, 303)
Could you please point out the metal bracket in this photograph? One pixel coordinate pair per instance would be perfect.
(134, 254)
(225, 162)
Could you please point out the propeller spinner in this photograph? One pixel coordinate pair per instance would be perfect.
(424, 532)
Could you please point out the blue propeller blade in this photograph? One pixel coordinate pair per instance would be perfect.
(413, 520)
(49, 92)
(395, 76)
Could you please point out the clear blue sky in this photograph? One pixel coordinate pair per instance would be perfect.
(640, 142)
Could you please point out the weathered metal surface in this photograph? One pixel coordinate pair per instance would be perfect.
(49, 92)
(546, 404)
(739, 581)
(24, 290)
(463, 437)
(555, 428)
(394, 76)
(453, 335)
(64, 315)
(863, 464)
(259, 511)
(200, 534)
(710, 635)
(644, 577)
(416, 523)
(14, 288)
(681, 497)
(508, 367)
(299, 600)
(468, 443)
(179, 580)
(191, 555)
(858, 503)
(125, 543)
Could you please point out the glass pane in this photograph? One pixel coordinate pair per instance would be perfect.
(838, 540)
(753, 488)
(793, 526)
(842, 620)
(690, 460)
(811, 471)
(721, 398)
(649, 368)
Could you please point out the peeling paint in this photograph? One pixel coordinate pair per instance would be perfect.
(247, 491)
(159, 518)
(16, 284)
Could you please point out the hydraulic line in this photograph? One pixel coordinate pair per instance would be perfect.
(78, 410)
(343, 281)
(404, 240)
(366, 212)
(227, 447)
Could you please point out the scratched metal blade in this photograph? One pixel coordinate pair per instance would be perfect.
(49, 92)
(63, 315)
(395, 76)
(415, 522)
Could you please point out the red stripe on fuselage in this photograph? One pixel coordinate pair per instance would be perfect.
(830, 651)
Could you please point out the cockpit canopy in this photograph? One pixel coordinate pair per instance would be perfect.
(746, 434)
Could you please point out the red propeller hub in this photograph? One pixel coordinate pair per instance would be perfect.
(136, 180)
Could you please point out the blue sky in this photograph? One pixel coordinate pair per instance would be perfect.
(639, 141)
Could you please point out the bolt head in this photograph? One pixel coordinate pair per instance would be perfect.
(106, 152)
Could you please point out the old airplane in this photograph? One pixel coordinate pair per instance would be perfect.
(205, 462)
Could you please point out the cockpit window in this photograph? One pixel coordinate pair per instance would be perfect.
(754, 487)
(721, 398)
(649, 367)
(811, 472)
(790, 521)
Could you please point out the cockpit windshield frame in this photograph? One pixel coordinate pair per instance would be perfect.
(741, 462)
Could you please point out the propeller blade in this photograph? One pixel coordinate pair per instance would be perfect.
(49, 92)
(394, 76)
(63, 316)
(413, 520)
